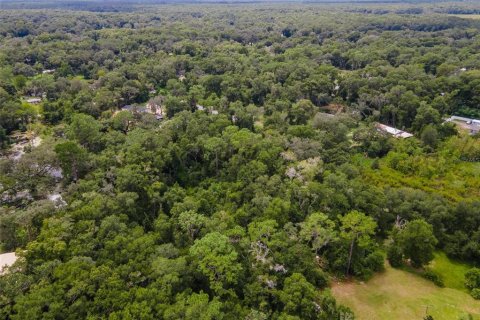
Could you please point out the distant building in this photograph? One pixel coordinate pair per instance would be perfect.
(200, 107)
(472, 125)
(150, 108)
(397, 133)
(48, 71)
(155, 109)
(129, 107)
(34, 100)
(7, 260)
(214, 112)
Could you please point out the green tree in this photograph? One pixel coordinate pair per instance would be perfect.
(191, 223)
(217, 260)
(395, 255)
(426, 115)
(3, 137)
(417, 242)
(175, 105)
(300, 112)
(357, 229)
(85, 130)
(214, 147)
(430, 137)
(73, 159)
(195, 306)
(299, 297)
(318, 231)
(122, 121)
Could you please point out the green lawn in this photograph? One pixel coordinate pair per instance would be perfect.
(396, 294)
(453, 272)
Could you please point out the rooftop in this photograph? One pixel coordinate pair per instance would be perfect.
(7, 260)
(397, 133)
(33, 100)
(472, 125)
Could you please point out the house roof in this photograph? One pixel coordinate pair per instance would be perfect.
(464, 119)
(128, 107)
(7, 260)
(472, 125)
(33, 100)
(397, 133)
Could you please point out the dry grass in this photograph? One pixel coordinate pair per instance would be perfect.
(467, 16)
(397, 294)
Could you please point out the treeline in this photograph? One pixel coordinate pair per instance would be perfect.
(385, 68)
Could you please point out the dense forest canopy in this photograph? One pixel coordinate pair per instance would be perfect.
(225, 161)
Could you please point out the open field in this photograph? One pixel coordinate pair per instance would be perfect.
(397, 294)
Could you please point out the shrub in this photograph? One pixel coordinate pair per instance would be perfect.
(472, 278)
(475, 293)
(375, 164)
(395, 256)
(434, 277)
(375, 261)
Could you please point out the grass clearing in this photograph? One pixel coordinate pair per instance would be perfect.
(452, 272)
(397, 294)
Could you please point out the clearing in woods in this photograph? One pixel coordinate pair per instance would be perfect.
(397, 294)
(453, 272)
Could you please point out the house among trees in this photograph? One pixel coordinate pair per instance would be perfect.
(150, 108)
(397, 133)
(209, 109)
(472, 125)
(130, 108)
(48, 71)
(7, 260)
(155, 109)
(34, 100)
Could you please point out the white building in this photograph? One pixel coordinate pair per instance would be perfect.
(34, 100)
(397, 133)
(472, 125)
(7, 260)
